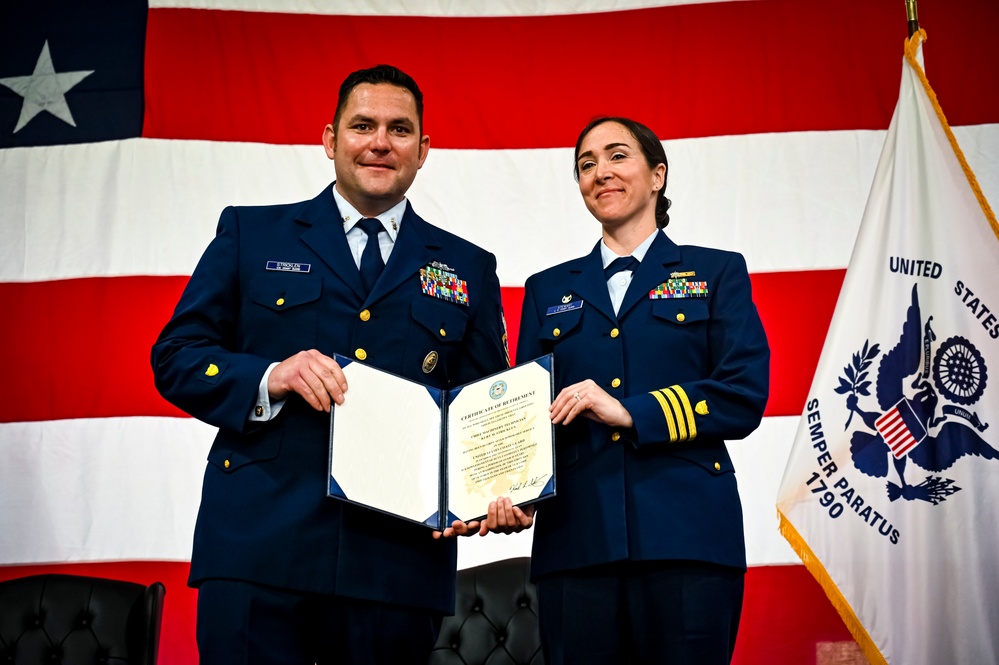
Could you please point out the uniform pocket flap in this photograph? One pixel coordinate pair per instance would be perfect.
(280, 292)
(558, 325)
(230, 455)
(681, 311)
(447, 321)
(713, 461)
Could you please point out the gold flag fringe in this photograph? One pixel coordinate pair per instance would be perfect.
(835, 596)
(911, 45)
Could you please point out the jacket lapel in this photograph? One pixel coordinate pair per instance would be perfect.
(326, 238)
(653, 271)
(591, 286)
(415, 247)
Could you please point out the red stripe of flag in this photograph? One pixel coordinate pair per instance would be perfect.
(82, 347)
(687, 71)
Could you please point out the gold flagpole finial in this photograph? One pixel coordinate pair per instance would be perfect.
(910, 12)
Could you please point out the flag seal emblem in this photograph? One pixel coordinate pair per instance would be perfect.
(925, 414)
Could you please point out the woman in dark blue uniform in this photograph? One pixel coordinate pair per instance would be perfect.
(660, 357)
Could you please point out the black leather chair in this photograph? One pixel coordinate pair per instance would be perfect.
(54, 619)
(495, 620)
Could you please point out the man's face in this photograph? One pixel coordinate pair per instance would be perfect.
(377, 147)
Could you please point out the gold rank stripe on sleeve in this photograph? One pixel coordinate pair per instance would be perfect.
(678, 413)
(681, 424)
(668, 412)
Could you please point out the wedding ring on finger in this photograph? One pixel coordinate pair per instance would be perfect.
(576, 395)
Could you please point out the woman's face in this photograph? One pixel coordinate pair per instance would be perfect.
(617, 185)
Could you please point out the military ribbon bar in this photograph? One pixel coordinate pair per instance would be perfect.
(679, 288)
(444, 285)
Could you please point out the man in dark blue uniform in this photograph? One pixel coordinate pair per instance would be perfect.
(286, 574)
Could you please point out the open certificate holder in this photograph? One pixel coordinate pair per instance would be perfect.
(433, 456)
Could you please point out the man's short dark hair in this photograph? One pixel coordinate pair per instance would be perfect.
(375, 75)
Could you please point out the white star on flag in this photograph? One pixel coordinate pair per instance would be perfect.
(44, 90)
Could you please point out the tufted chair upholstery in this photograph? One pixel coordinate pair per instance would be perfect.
(495, 620)
(54, 619)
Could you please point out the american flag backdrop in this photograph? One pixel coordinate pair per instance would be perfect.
(126, 128)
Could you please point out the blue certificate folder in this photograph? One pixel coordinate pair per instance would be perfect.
(432, 456)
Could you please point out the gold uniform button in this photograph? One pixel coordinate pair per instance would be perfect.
(280, 301)
(616, 436)
(226, 463)
(680, 317)
(360, 354)
(615, 383)
(615, 332)
(365, 315)
(443, 333)
(259, 411)
(556, 332)
(717, 466)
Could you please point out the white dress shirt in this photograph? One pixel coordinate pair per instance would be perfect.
(617, 285)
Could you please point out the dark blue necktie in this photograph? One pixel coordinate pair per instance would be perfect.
(371, 257)
(619, 264)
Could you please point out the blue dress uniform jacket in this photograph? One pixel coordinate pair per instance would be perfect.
(265, 516)
(692, 371)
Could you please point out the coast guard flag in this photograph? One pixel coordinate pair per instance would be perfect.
(891, 492)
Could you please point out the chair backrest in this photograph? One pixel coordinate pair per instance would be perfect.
(495, 619)
(68, 618)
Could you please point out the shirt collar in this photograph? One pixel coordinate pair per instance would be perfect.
(607, 255)
(391, 219)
